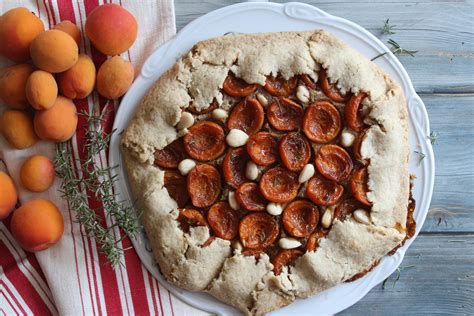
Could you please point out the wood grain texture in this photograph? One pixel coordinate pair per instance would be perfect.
(436, 277)
(440, 277)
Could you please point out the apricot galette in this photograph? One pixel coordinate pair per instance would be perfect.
(271, 167)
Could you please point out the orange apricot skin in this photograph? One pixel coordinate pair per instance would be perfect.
(54, 51)
(17, 128)
(37, 225)
(111, 28)
(37, 173)
(114, 78)
(8, 195)
(18, 28)
(41, 90)
(71, 29)
(78, 81)
(57, 123)
(13, 81)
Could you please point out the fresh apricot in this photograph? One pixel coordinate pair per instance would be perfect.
(111, 28)
(41, 90)
(8, 195)
(54, 51)
(114, 78)
(17, 128)
(78, 81)
(18, 28)
(71, 29)
(57, 123)
(37, 225)
(37, 173)
(12, 85)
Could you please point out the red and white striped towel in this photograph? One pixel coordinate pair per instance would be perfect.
(72, 278)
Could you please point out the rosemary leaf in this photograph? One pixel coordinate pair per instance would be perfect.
(387, 28)
(434, 137)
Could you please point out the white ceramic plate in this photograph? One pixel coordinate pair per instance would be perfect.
(271, 17)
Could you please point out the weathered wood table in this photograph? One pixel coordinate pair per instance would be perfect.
(437, 275)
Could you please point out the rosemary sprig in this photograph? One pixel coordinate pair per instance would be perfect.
(396, 50)
(421, 156)
(387, 28)
(96, 183)
(397, 277)
(434, 137)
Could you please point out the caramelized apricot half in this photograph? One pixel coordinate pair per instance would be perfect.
(284, 114)
(249, 197)
(223, 220)
(204, 185)
(279, 185)
(300, 218)
(237, 87)
(323, 191)
(247, 116)
(313, 240)
(285, 257)
(263, 148)
(205, 141)
(175, 183)
(281, 87)
(189, 217)
(321, 122)
(353, 118)
(171, 155)
(334, 163)
(258, 230)
(330, 90)
(358, 185)
(295, 151)
(233, 166)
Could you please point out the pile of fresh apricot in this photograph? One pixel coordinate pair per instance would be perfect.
(39, 89)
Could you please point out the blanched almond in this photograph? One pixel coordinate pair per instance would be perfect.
(251, 171)
(362, 216)
(306, 173)
(237, 138)
(186, 165)
(302, 93)
(347, 138)
(232, 201)
(326, 220)
(186, 121)
(274, 209)
(262, 99)
(220, 114)
(288, 243)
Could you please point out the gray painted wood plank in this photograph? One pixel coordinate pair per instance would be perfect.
(452, 206)
(442, 32)
(437, 277)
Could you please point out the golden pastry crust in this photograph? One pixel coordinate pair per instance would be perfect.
(350, 247)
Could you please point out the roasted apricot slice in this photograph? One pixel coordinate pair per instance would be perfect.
(205, 141)
(323, 191)
(285, 257)
(175, 183)
(308, 81)
(171, 155)
(333, 162)
(330, 90)
(209, 109)
(263, 148)
(247, 116)
(295, 151)
(281, 87)
(189, 217)
(346, 207)
(258, 230)
(353, 118)
(358, 186)
(252, 252)
(300, 218)
(321, 122)
(284, 114)
(233, 166)
(204, 185)
(357, 145)
(237, 87)
(223, 220)
(249, 197)
(313, 240)
(279, 185)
